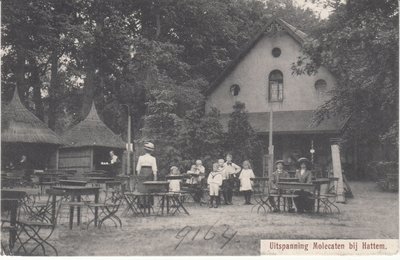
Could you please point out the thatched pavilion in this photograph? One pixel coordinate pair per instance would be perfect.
(22, 133)
(87, 144)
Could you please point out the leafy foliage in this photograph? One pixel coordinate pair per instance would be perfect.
(242, 141)
(359, 44)
(156, 57)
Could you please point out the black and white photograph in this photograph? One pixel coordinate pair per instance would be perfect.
(199, 127)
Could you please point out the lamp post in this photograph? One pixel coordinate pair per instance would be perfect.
(270, 144)
(128, 148)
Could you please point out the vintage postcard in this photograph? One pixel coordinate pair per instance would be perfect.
(199, 128)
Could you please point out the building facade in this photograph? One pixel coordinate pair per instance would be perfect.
(262, 77)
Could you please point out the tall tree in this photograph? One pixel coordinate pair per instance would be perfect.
(241, 140)
(359, 44)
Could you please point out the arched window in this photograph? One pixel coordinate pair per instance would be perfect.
(320, 87)
(275, 86)
(235, 89)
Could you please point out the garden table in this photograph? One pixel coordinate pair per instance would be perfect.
(132, 200)
(289, 188)
(169, 199)
(169, 202)
(76, 192)
(99, 180)
(318, 183)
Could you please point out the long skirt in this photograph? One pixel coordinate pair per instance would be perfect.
(303, 201)
(145, 174)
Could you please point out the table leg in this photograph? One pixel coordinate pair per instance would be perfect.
(279, 202)
(78, 211)
(71, 212)
(13, 224)
(162, 203)
(284, 203)
(96, 210)
(53, 209)
(167, 204)
(179, 204)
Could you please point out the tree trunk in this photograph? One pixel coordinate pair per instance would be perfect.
(53, 91)
(20, 73)
(36, 83)
(88, 91)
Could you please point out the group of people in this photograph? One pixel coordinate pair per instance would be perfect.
(222, 179)
(303, 175)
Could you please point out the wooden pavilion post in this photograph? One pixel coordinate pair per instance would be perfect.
(337, 168)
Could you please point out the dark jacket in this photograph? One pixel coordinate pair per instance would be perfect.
(305, 178)
(275, 178)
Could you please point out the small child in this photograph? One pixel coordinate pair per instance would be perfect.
(200, 169)
(214, 181)
(193, 179)
(174, 185)
(246, 185)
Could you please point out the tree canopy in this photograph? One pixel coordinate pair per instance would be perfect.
(359, 45)
(159, 57)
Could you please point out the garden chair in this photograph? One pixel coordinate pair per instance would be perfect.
(33, 231)
(327, 196)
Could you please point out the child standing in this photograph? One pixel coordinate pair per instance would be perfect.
(246, 184)
(230, 170)
(174, 185)
(214, 181)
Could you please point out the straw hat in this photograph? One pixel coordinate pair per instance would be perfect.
(304, 160)
(149, 146)
(280, 161)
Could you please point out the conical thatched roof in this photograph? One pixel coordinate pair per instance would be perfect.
(91, 132)
(18, 124)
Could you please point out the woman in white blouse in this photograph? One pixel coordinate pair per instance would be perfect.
(146, 168)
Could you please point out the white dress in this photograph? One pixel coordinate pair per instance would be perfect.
(174, 185)
(245, 182)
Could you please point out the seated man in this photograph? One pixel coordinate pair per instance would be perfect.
(279, 173)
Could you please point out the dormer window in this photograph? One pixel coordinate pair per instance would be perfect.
(235, 89)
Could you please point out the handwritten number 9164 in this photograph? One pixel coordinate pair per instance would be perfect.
(190, 234)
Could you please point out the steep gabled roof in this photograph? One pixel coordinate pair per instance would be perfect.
(92, 132)
(298, 35)
(19, 125)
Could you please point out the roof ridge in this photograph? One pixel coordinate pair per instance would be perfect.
(297, 34)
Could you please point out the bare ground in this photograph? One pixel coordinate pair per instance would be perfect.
(234, 230)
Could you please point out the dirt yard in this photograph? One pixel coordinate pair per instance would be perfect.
(234, 230)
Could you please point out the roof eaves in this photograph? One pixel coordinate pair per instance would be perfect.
(294, 32)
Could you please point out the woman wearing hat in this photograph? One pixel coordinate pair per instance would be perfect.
(146, 168)
(304, 175)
